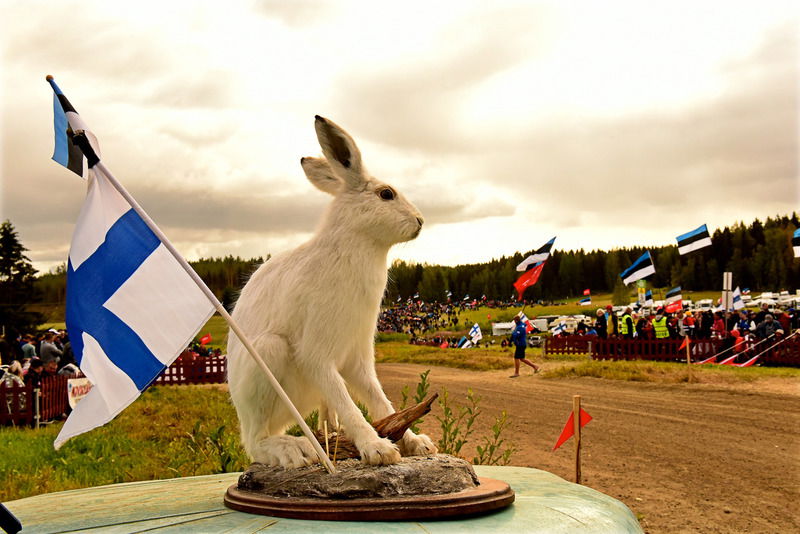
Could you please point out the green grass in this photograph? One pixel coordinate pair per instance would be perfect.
(474, 359)
(669, 372)
(218, 328)
(168, 432)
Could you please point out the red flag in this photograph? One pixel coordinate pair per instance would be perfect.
(444, 345)
(672, 307)
(685, 342)
(729, 361)
(587, 292)
(205, 340)
(528, 279)
(569, 428)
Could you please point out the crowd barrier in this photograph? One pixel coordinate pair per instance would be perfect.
(21, 405)
(24, 405)
(783, 354)
(193, 369)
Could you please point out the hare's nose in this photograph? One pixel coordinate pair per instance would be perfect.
(420, 221)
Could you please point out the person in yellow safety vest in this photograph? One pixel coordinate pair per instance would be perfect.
(612, 321)
(660, 325)
(626, 324)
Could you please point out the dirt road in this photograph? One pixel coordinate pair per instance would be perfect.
(683, 457)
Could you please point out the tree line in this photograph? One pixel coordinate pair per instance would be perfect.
(758, 254)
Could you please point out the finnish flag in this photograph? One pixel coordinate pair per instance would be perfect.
(475, 333)
(131, 308)
(738, 304)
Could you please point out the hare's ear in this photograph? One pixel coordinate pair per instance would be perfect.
(341, 152)
(320, 174)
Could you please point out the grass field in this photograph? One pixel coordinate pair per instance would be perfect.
(173, 431)
(168, 432)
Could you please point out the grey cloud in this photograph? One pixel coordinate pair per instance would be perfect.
(739, 149)
(415, 105)
(89, 45)
(442, 212)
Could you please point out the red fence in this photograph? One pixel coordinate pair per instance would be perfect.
(194, 370)
(18, 406)
(569, 344)
(785, 354)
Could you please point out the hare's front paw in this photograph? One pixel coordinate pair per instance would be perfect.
(289, 452)
(416, 445)
(379, 452)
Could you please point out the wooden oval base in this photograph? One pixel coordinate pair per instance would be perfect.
(490, 495)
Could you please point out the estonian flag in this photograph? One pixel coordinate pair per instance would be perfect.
(796, 243)
(537, 257)
(694, 240)
(673, 300)
(648, 298)
(641, 268)
(586, 301)
(70, 133)
(673, 295)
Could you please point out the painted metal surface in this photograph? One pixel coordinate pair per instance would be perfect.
(544, 503)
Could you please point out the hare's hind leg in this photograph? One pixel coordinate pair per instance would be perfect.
(262, 415)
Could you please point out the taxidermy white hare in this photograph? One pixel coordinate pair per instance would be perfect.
(311, 313)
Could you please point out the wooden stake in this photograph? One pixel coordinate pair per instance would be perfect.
(325, 429)
(576, 418)
(689, 359)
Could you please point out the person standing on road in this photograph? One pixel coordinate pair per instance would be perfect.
(520, 340)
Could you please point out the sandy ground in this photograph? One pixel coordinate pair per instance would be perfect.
(684, 457)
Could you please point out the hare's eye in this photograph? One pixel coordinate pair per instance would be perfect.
(386, 193)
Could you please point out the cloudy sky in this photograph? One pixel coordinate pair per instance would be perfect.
(603, 123)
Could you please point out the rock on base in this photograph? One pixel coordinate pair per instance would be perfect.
(414, 475)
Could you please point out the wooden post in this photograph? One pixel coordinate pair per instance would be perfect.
(37, 407)
(689, 358)
(576, 418)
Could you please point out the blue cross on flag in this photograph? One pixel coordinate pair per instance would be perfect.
(475, 333)
(131, 307)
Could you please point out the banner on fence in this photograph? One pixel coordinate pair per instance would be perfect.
(77, 388)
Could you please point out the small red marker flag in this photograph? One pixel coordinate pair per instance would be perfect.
(569, 427)
(587, 292)
(685, 343)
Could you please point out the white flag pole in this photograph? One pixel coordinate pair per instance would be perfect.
(222, 311)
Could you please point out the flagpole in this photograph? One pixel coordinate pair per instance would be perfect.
(576, 422)
(222, 311)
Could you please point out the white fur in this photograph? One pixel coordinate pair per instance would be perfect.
(311, 314)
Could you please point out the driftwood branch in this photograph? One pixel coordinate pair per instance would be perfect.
(392, 427)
